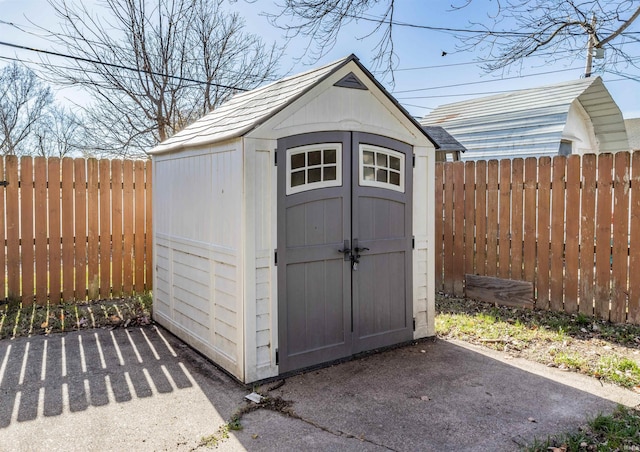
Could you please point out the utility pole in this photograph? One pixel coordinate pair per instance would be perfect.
(590, 47)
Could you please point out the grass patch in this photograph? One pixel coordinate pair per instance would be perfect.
(619, 370)
(619, 431)
(17, 320)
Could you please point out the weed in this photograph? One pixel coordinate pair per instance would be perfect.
(572, 361)
(622, 371)
(215, 439)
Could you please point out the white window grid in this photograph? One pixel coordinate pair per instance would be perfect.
(381, 167)
(293, 186)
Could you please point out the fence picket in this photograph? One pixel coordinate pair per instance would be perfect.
(55, 251)
(481, 218)
(634, 242)
(27, 257)
(93, 267)
(572, 226)
(104, 171)
(41, 213)
(116, 228)
(458, 234)
(127, 226)
(517, 215)
(603, 235)
(620, 241)
(148, 275)
(530, 209)
(448, 230)
(544, 231)
(469, 217)
(492, 218)
(504, 228)
(80, 199)
(587, 234)
(68, 246)
(557, 232)
(139, 226)
(13, 228)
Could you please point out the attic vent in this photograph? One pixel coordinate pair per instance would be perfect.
(350, 81)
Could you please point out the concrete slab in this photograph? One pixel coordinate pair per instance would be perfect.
(144, 389)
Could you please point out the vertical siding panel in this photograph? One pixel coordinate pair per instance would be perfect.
(544, 231)
(504, 228)
(148, 193)
(492, 218)
(517, 186)
(139, 226)
(573, 232)
(603, 235)
(105, 227)
(55, 255)
(530, 211)
(116, 228)
(448, 228)
(41, 213)
(3, 249)
(481, 218)
(439, 226)
(587, 233)
(26, 240)
(620, 237)
(92, 229)
(458, 234)
(469, 216)
(80, 228)
(13, 228)
(68, 246)
(557, 232)
(634, 242)
(127, 216)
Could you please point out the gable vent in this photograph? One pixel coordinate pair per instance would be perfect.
(350, 81)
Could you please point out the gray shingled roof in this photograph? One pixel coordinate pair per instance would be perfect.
(445, 140)
(530, 122)
(246, 111)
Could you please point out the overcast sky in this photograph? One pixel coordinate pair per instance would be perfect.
(439, 79)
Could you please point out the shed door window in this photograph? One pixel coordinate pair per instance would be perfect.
(381, 167)
(315, 166)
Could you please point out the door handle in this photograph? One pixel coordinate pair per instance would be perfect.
(346, 251)
(357, 249)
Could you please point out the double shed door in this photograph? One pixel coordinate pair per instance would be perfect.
(344, 246)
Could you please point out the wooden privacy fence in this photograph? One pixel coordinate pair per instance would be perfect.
(74, 229)
(569, 225)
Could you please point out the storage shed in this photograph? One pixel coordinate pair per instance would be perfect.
(294, 225)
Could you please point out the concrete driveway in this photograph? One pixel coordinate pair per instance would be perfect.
(143, 389)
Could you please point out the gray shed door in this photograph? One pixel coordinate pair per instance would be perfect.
(344, 246)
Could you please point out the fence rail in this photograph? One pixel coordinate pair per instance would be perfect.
(570, 225)
(74, 229)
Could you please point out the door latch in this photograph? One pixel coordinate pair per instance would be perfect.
(346, 250)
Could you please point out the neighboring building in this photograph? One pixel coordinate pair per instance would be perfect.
(449, 149)
(576, 117)
(633, 132)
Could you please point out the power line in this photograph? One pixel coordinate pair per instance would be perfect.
(117, 66)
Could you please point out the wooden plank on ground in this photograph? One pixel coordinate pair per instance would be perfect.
(148, 193)
(506, 292)
(127, 228)
(139, 226)
(55, 251)
(438, 225)
(41, 213)
(80, 189)
(544, 232)
(104, 169)
(587, 233)
(603, 235)
(13, 227)
(68, 245)
(620, 265)
(633, 315)
(492, 218)
(530, 212)
(504, 228)
(469, 216)
(517, 216)
(556, 300)
(458, 227)
(116, 228)
(93, 265)
(481, 217)
(26, 220)
(572, 235)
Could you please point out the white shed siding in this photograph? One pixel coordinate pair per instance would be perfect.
(197, 235)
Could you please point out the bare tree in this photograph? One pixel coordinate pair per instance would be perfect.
(152, 67)
(512, 31)
(60, 134)
(24, 100)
